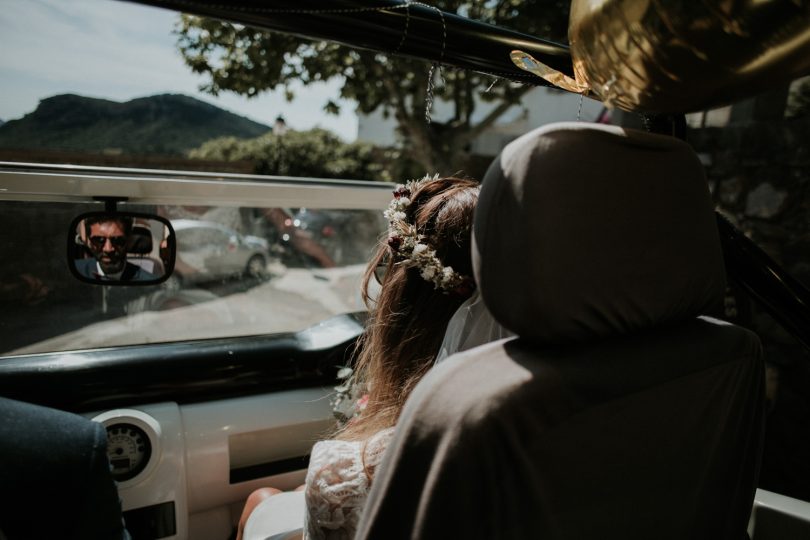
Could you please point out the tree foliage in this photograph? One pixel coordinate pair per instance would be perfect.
(249, 61)
(316, 153)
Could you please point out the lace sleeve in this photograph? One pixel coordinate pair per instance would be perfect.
(337, 485)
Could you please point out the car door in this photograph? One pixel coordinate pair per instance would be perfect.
(224, 259)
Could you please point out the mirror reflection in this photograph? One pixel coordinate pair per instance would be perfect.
(121, 248)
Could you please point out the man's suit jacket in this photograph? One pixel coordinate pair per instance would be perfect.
(55, 479)
(132, 272)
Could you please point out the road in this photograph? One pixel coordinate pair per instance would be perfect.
(292, 301)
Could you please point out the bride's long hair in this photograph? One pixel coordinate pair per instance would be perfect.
(408, 318)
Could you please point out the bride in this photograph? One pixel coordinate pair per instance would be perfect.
(426, 309)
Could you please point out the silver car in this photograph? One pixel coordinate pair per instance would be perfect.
(209, 251)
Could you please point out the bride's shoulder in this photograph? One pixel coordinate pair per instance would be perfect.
(363, 451)
(376, 445)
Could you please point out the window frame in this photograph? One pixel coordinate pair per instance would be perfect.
(32, 182)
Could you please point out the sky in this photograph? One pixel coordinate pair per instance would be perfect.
(120, 51)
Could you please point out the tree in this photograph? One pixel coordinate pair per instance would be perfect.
(250, 61)
(317, 153)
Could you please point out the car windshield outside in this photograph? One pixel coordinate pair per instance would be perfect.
(112, 89)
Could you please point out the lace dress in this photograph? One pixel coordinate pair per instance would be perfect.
(337, 485)
(336, 489)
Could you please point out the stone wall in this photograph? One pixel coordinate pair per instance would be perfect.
(758, 168)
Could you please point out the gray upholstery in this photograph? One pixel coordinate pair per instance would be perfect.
(140, 240)
(619, 411)
(591, 231)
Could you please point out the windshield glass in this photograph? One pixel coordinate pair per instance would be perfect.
(239, 271)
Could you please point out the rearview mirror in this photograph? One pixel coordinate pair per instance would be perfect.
(121, 248)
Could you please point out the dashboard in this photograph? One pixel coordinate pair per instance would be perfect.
(180, 467)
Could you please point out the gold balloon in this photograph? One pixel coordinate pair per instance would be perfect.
(529, 63)
(672, 56)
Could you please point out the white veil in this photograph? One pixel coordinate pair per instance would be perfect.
(471, 325)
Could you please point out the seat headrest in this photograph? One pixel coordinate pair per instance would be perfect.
(584, 231)
(140, 240)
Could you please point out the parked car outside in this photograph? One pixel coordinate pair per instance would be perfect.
(345, 237)
(208, 251)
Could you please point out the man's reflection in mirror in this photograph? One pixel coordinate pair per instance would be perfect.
(107, 239)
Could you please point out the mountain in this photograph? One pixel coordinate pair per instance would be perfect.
(162, 124)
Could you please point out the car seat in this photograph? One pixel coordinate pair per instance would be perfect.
(621, 410)
(140, 250)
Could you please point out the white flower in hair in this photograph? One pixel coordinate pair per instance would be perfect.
(409, 246)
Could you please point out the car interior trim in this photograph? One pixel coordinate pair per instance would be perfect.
(280, 425)
(429, 33)
(783, 296)
(164, 479)
(156, 521)
(53, 183)
(106, 378)
(271, 468)
(776, 516)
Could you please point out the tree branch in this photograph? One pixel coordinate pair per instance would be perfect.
(494, 114)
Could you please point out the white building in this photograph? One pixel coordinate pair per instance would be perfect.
(538, 107)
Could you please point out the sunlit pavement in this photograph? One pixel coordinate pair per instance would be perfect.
(290, 300)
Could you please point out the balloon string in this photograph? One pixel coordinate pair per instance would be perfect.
(429, 96)
(407, 25)
(430, 85)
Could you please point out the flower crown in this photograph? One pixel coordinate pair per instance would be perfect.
(409, 246)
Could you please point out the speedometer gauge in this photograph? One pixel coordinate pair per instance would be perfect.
(128, 449)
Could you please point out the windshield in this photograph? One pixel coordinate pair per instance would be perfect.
(170, 92)
(239, 271)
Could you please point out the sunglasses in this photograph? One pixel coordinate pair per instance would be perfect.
(116, 241)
